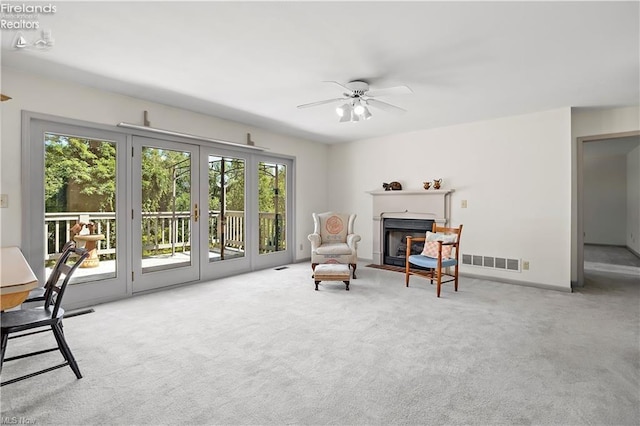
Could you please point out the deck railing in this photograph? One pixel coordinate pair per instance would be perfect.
(158, 228)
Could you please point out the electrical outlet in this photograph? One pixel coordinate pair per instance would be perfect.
(4, 201)
(463, 204)
(301, 247)
(525, 265)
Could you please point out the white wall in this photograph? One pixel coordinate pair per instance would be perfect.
(37, 94)
(633, 201)
(590, 122)
(514, 172)
(605, 197)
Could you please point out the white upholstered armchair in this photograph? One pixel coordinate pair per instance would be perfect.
(333, 240)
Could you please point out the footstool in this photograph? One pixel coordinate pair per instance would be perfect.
(332, 272)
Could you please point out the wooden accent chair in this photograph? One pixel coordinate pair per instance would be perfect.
(333, 240)
(440, 252)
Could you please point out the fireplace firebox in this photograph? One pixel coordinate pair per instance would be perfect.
(395, 231)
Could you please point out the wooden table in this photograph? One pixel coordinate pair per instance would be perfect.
(16, 278)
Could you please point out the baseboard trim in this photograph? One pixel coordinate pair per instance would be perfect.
(520, 283)
(633, 251)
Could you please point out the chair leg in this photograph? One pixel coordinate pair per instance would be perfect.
(59, 341)
(406, 273)
(353, 265)
(5, 339)
(439, 281)
(66, 352)
(455, 282)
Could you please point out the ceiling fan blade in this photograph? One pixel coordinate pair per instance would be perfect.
(339, 84)
(312, 104)
(389, 91)
(385, 106)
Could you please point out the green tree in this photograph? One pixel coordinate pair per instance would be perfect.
(233, 182)
(80, 169)
(159, 170)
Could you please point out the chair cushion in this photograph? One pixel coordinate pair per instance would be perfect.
(431, 244)
(331, 271)
(333, 227)
(431, 250)
(334, 248)
(430, 262)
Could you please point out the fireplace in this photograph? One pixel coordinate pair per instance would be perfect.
(395, 231)
(419, 205)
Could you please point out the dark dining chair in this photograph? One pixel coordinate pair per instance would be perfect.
(50, 314)
(37, 294)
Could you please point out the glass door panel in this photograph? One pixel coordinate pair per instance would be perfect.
(166, 209)
(227, 218)
(80, 203)
(272, 207)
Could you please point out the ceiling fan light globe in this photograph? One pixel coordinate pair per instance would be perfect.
(359, 109)
(344, 110)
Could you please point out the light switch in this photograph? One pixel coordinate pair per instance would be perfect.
(463, 204)
(4, 201)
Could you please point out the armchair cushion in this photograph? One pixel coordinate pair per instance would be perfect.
(431, 250)
(431, 244)
(334, 227)
(334, 248)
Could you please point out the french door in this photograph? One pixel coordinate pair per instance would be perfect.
(76, 189)
(153, 212)
(165, 214)
(274, 195)
(250, 204)
(224, 181)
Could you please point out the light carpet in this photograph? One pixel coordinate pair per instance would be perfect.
(265, 348)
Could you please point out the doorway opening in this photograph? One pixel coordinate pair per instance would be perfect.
(608, 222)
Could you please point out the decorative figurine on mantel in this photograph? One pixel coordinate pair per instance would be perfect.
(436, 183)
(426, 185)
(393, 186)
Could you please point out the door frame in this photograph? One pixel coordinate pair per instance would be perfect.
(580, 141)
(32, 164)
(162, 277)
(218, 269)
(263, 261)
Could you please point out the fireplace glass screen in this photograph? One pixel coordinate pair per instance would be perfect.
(395, 232)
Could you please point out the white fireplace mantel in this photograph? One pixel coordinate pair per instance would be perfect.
(432, 204)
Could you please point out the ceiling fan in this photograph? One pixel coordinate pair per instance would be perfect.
(358, 97)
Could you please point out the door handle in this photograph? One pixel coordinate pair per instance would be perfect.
(196, 213)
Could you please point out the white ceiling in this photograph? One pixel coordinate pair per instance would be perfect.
(254, 62)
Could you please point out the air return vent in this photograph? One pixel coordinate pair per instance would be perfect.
(492, 262)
